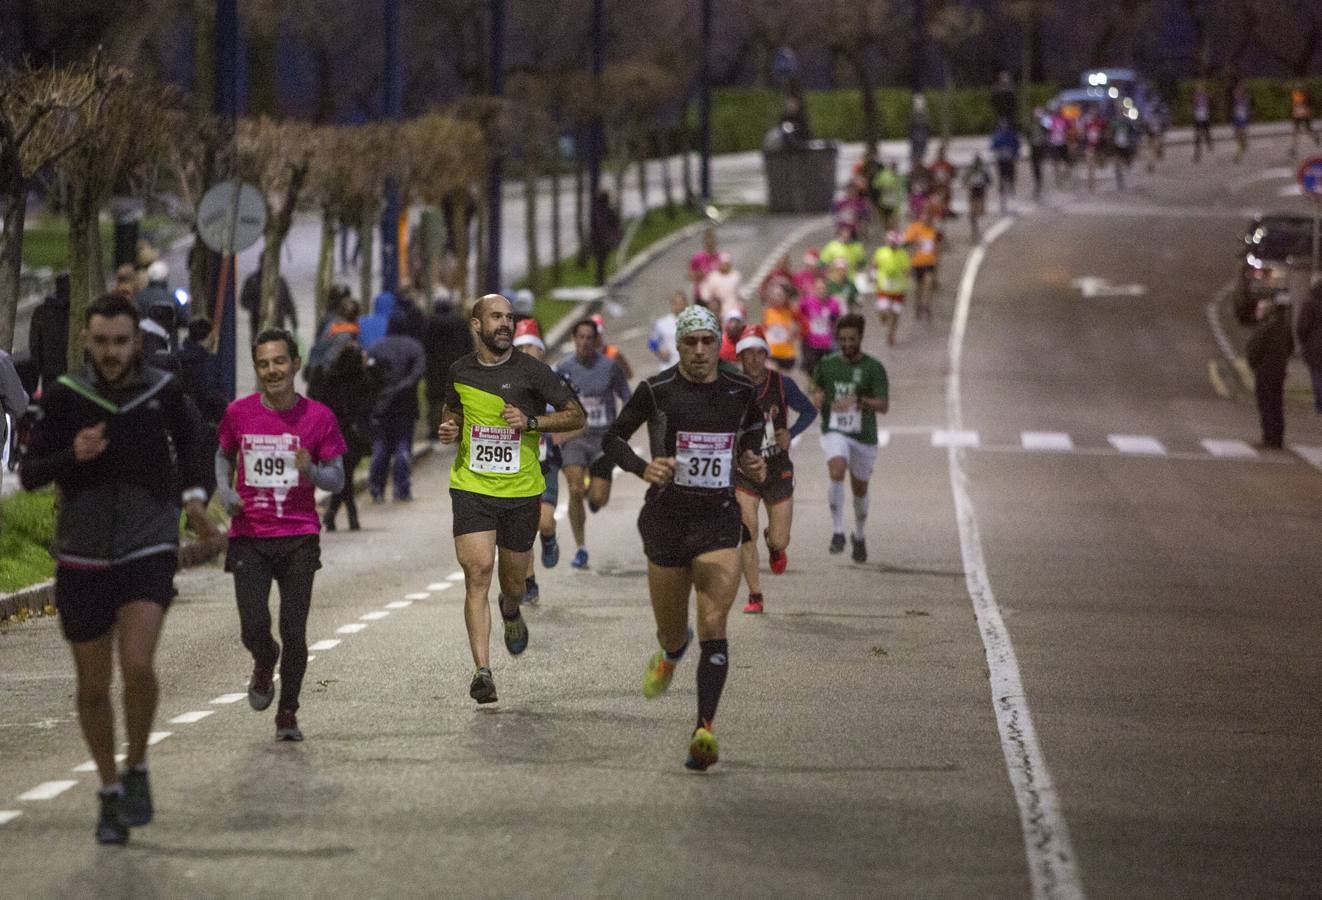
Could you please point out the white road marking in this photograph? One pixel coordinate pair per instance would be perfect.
(1090, 286)
(351, 628)
(48, 790)
(1136, 443)
(329, 644)
(1263, 175)
(456, 576)
(1047, 843)
(883, 437)
(629, 334)
(1229, 449)
(438, 585)
(373, 616)
(561, 511)
(189, 718)
(400, 604)
(8, 815)
(1046, 440)
(420, 595)
(229, 698)
(1156, 212)
(1312, 455)
(90, 765)
(948, 437)
(311, 657)
(157, 736)
(1290, 190)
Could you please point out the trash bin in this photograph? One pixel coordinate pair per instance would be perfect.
(800, 174)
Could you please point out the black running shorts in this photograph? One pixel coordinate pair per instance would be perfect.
(778, 486)
(513, 519)
(89, 599)
(675, 532)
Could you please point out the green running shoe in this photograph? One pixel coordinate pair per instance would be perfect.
(656, 680)
(703, 752)
(483, 688)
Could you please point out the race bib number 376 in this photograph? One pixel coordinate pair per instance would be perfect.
(704, 459)
(493, 449)
(268, 460)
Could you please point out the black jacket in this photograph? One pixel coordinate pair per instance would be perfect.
(125, 503)
(1271, 344)
(1310, 332)
(48, 338)
(446, 338)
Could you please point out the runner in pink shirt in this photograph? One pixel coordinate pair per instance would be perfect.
(817, 314)
(704, 261)
(285, 446)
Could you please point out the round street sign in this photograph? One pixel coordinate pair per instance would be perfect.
(1310, 177)
(231, 216)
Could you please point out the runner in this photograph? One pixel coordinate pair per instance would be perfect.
(600, 382)
(285, 446)
(118, 440)
(493, 410)
(690, 521)
(976, 181)
(923, 242)
(702, 262)
(850, 388)
(1240, 109)
(891, 266)
(845, 247)
(528, 339)
(775, 393)
(1301, 117)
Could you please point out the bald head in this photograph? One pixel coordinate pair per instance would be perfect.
(486, 301)
(493, 321)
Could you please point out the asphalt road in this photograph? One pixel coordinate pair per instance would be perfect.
(1153, 731)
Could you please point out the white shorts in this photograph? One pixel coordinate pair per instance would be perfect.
(890, 303)
(861, 457)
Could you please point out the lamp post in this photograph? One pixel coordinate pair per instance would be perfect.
(227, 110)
(704, 106)
(393, 111)
(496, 166)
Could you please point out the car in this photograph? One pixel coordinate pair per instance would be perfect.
(1273, 242)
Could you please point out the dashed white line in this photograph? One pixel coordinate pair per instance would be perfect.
(1229, 449)
(229, 698)
(1313, 455)
(456, 576)
(374, 616)
(351, 628)
(400, 604)
(1137, 443)
(8, 815)
(157, 736)
(954, 437)
(883, 438)
(438, 585)
(420, 595)
(48, 790)
(90, 765)
(328, 644)
(189, 718)
(1046, 440)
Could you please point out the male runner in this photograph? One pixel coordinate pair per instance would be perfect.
(850, 388)
(890, 266)
(285, 447)
(495, 411)
(776, 394)
(528, 339)
(600, 383)
(119, 440)
(690, 521)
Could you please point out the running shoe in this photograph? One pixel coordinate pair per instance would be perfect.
(860, 553)
(483, 688)
(703, 752)
(286, 726)
(580, 558)
(261, 687)
(837, 543)
(754, 604)
(550, 552)
(110, 826)
(778, 558)
(656, 680)
(135, 807)
(516, 635)
(531, 592)
(593, 508)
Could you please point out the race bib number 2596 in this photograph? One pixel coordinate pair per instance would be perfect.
(494, 449)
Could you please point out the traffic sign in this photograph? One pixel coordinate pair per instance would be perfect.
(1310, 177)
(231, 216)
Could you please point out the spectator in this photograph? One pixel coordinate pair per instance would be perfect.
(126, 281)
(372, 328)
(199, 370)
(250, 298)
(1268, 353)
(1005, 148)
(1309, 329)
(157, 294)
(335, 298)
(349, 387)
(48, 333)
(409, 302)
(1002, 98)
(395, 414)
(446, 337)
(920, 132)
(13, 403)
(604, 232)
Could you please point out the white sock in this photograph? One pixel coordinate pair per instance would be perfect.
(860, 515)
(835, 497)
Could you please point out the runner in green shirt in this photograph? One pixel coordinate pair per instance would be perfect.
(850, 388)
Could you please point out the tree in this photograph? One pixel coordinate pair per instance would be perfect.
(1287, 33)
(952, 28)
(41, 116)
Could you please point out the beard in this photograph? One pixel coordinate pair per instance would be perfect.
(497, 341)
(112, 370)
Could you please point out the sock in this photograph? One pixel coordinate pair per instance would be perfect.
(712, 669)
(860, 515)
(110, 789)
(835, 497)
(677, 655)
(139, 769)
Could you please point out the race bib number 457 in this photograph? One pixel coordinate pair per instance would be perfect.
(493, 449)
(268, 460)
(704, 459)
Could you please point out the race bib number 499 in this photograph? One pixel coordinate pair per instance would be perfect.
(268, 460)
(704, 459)
(493, 449)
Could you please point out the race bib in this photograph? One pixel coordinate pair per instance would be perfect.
(778, 334)
(704, 459)
(847, 421)
(927, 245)
(268, 460)
(819, 324)
(493, 449)
(595, 407)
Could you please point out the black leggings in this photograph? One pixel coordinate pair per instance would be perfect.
(345, 497)
(291, 562)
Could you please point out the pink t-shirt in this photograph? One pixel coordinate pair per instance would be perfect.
(278, 500)
(819, 315)
(701, 263)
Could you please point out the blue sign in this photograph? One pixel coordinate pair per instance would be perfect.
(1310, 177)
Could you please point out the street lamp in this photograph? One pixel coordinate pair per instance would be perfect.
(393, 109)
(227, 110)
(495, 171)
(704, 106)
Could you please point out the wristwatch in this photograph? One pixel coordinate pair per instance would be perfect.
(532, 424)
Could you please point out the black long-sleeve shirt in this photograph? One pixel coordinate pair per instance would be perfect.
(691, 412)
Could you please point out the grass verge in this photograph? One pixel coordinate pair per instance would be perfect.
(27, 531)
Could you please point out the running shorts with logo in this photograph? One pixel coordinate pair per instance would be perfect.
(708, 425)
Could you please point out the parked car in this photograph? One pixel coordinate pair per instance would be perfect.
(1272, 244)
